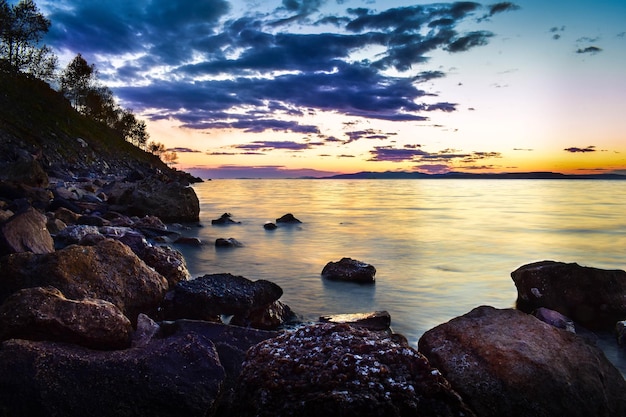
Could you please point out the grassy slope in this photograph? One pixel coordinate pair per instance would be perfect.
(35, 118)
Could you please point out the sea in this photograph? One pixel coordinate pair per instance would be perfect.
(441, 247)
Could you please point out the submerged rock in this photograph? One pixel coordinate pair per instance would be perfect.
(288, 218)
(45, 314)
(336, 370)
(227, 243)
(595, 298)
(270, 226)
(508, 363)
(224, 219)
(270, 317)
(349, 270)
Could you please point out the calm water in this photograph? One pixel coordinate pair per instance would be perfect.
(440, 247)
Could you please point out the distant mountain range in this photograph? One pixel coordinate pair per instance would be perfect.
(463, 175)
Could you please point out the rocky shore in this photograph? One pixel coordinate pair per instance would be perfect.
(100, 317)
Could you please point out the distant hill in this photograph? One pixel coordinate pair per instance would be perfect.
(463, 175)
(36, 120)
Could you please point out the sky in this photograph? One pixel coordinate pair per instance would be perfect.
(251, 88)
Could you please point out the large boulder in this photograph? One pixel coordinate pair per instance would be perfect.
(177, 375)
(211, 295)
(595, 298)
(349, 270)
(45, 314)
(270, 317)
(108, 270)
(25, 232)
(508, 363)
(337, 370)
(171, 202)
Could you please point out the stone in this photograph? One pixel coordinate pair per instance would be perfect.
(25, 232)
(212, 295)
(171, 202)
(178, 374)
(224, 219)
(45, 314)
(554, 318)
(26, 170)
(227, 243)
(168, 262)
(349, 270)
(508, 363)
(75, 233)
(92, 220)
(270, 226)
(188, 241)
(66, 215)
(377, 320)
(109, 271)
(337, 370)
(595, 298)
(270, 317)
(287, 218)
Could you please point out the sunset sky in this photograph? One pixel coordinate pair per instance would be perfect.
(315, 87)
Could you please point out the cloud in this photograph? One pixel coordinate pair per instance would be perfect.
(255, 171)
(183, 150)
(589, 50)
(581, 150)
(433, 162)
(273, 145)
(198, 63)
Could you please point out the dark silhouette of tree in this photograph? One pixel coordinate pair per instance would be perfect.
(76, 80)
(22, 27)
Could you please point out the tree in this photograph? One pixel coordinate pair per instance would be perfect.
(22, 27)
(131, 129)
(76, 80)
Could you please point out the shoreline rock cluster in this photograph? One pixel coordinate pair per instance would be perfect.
(97, 318)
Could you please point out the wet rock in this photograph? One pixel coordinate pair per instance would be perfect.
(189, 241)
(206, 297)
(25, 232)
(227, 243)
(270, 317)
(595, 298)
(337, 370)
(109, 271)
(377, 320)
(508, 363)
(224, 219)
(270, 226)
(177, 375)
(45, 314)
(349, 270)
(288, 218)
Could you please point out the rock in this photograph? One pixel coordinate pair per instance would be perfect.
(287, 218)
(31, 196)
(25, 232)
(206, 297)
(554, 318)
(109, 271)
(337, 370)
(75, 233)
(270, 226)
(349, 270)
(377, 320)
(171, 202)
(92, 220)
(66, 215)
(189, 241)
(595, 298)
(620, 329)
(224, 219)
(227, 243)
(54, 225)
(168, 262)
(26, 170)
(151, 226)
(177, 375)
(508, 363)
(147, 329)
(45, 314)
(270, 317)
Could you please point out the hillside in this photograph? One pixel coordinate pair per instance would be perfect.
(37, 121)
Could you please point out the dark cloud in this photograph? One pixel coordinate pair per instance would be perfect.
(589, 50)
(267, 146)
(195, 62)
(581, 150)
(183, 150)
(255, 171)
(355, 135)
(432, 162)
